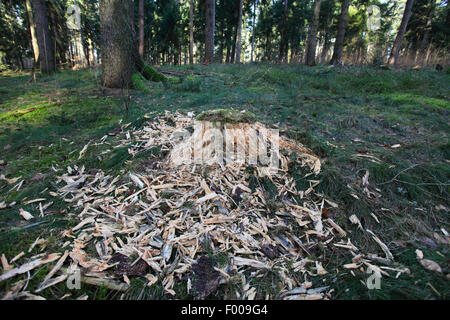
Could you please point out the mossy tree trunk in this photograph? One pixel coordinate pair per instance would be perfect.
(122, 67)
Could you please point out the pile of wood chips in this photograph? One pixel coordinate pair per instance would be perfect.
(159, 222)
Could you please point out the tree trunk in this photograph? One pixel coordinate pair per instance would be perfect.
(268, 47)
(239, 34)
(233, 48)
(133, 27)
(34, 41)
(426, 35)
(253, 30)
(117, 43)
(141, 28)
(209, 31)
(447, 20)
(191, 31)
(401, 32)
(46, 58)
(283, 40)
(339, 45)
(312, 36)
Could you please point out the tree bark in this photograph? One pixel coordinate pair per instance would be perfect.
(312, 35)
(141, 28)
(253, 29)
(46, 57)
(283, 40)
(339, 45)
(117, 43)
(34, 41)
(268, 52)
(209, 31)
(239, 34)
(401, 32)
(233, 47)
(426, 36)
(191, 31)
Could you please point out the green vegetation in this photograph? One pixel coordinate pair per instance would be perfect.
(354, 119)
(227, 116)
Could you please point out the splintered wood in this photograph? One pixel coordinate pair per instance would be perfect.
(170, 214)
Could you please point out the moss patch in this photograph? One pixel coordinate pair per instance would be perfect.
(227, 116)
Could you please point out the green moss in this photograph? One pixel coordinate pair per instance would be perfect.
(138, 81)
(151, 74)
(227, 116)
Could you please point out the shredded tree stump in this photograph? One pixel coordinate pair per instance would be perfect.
(162, 223)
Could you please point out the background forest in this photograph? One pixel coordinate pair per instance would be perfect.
(173, 31)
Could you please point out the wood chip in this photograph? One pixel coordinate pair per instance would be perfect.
(25, 214)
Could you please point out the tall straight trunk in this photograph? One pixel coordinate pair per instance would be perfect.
(78, 36)
(283, 40)
(34, 42)
(253, 29)
(46, 57)
(327, 34)
(219, 55)
(133, 17)
(427, 55)
(84, 50)
(233, 48)
(401, 32)
(312, 35)
(191, 31)
(268, 47)
(447, 21)
(342, 25)
(426, 35)
(118, 48)
(325, 48)
(141, 28)
(239, 34)
(209, 31)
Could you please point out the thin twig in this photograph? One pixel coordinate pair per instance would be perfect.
(404, 170)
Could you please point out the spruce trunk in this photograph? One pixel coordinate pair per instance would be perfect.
(46, 56)
(117, 43)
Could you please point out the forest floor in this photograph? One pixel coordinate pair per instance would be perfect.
(393, 124)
